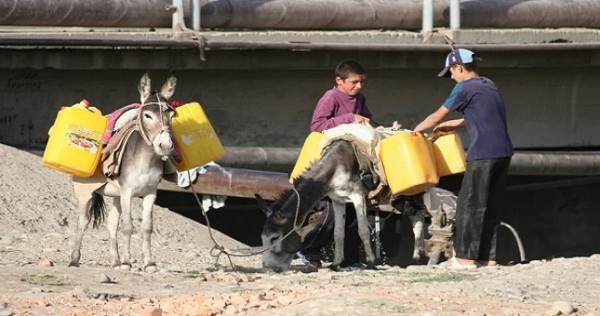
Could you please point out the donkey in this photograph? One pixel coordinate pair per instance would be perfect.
(336, 175)
(144, 154)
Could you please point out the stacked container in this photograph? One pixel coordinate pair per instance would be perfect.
(408, 163)
(449, 153)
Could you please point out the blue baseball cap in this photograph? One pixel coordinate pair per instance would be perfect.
(456, 57)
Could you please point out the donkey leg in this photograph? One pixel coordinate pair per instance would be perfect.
(339, 211)
(112, 223)
(126, 200)
(147, 205)
(363, 229)
(418, 221)
(82, 224)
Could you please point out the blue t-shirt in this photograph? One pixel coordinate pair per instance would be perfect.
(482, 106)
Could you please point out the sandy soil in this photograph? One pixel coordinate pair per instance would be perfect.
(38, 218)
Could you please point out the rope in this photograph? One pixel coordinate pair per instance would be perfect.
(217, 250)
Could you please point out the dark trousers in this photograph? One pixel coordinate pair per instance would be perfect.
(322, 235)
(479, 204)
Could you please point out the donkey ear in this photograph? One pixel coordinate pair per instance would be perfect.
(264, 206)
(168, 88)
(144, 87)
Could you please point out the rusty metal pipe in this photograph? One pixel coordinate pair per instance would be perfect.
(260, 158)
(524, 163)
(235, 182)
(555, 164)
(240, 182)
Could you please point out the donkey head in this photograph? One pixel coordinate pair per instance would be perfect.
(284, 232)
(155, 115)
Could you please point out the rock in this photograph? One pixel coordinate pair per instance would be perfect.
(6, 312)
(45, 263)
(153, 311)
(103, 278)
(564, 307)
(552, 312)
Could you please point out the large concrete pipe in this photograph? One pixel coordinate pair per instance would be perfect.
(104, 13)
(535, 14)
(294, 14)
(396, 14)
(329, 14)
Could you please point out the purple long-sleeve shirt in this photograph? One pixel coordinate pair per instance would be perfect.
(335, 108)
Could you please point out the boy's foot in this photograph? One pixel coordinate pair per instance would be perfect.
(316, 263)
(487, 263)
(458, 264)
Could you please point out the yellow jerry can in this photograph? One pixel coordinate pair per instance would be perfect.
(74, 144)
(408, 163)
(197, 141)
(310, 152)
(449, 153)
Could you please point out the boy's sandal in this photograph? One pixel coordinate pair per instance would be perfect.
(455, 265)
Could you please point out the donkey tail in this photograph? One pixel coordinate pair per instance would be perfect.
(97, 210)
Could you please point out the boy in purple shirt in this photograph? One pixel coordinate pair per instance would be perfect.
(488, 158)
(344, 103)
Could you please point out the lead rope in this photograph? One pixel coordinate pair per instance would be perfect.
(217, 250)
(140, 128)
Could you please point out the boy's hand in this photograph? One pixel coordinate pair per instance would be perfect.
(361, 119)
(443, 128)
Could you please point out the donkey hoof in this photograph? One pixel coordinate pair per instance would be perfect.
(73, 264)
(150, 268)
(124, 267)
(371, 266)
(334, 267)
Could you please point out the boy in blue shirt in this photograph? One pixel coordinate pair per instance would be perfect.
(488, 158)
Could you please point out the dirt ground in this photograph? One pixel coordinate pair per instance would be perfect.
(38, 217)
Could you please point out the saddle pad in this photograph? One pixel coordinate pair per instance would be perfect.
(113, 152)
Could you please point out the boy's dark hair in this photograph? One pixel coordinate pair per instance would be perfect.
(348, 67)
(473, 65)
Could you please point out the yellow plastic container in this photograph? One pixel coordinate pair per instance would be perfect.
(310, 152)
(74, 145)
(449, 154)
(408, 163)
(195, 137)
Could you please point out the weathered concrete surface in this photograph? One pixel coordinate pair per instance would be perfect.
(266, 98)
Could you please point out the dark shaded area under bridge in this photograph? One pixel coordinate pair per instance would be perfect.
(548, 212)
